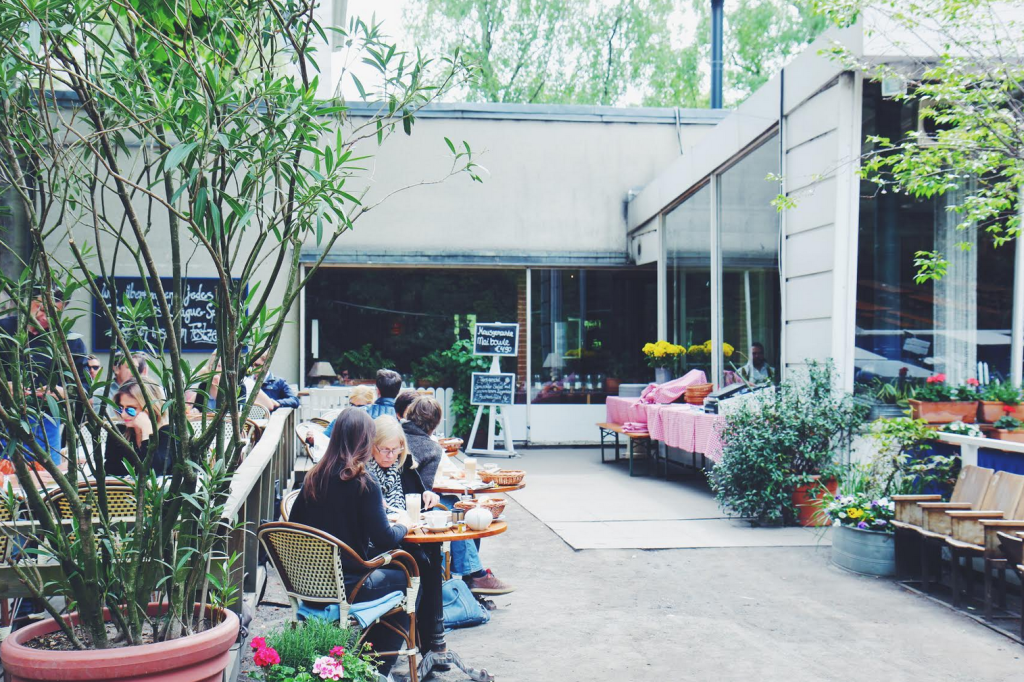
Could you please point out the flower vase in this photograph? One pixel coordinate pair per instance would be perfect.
(662, 375)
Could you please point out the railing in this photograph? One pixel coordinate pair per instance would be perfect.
(988, 452)
(317, 401)
(252, 497)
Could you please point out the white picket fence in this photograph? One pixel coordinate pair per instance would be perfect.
(334, 398)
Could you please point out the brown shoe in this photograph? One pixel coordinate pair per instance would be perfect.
(488, 584)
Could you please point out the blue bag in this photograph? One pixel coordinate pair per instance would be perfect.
(461, 609)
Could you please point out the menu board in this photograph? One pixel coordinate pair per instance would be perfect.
(198, 320)
(493, 389)
(496, 338)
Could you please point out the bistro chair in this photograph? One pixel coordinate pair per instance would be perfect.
(120, 502)
(258, 412)
(309, 563)
(288, 502)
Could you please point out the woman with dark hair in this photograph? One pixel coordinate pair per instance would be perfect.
(339, 497)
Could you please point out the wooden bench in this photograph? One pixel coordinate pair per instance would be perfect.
(610, 430)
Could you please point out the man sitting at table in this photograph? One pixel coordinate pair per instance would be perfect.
(389, 383)
(757, 370)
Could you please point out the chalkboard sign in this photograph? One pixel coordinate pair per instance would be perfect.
(198, 322)
(492, 389)
(496, 338)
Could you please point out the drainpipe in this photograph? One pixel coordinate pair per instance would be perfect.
(717, 12)
(1017, 328)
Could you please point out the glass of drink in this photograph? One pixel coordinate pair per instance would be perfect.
(470, 465)
(412, 506)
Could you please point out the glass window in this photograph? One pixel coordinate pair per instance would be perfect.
(588, 328)
(688, 251)
(958, 326)
(751, 295)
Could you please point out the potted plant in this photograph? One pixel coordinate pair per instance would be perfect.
(151, 142)
(664, 358)
(1008, 428)
(994, 397)
(313, 650)
(781, 447)
(937, 402)
(862, 532)
(889, 398)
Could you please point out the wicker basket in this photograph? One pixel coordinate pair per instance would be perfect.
(495, 506)
(503, 477)
(695, 394)
(450, 444)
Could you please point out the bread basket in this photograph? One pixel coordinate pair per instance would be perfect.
(450, 445)
(502, 476)
(494, 505)
(695, 394)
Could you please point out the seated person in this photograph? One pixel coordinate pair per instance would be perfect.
(147, 440)
(757, 370)
(423, 417)
(203, 397)
(362, 396)
(389, 383)
(395, 472)
(340, 497)
(277, 391)
(403, 401)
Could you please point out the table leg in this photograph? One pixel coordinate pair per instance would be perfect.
(631, 441)
(616, 446)
(603, 434)
(450, 658)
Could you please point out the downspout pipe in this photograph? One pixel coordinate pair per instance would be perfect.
(717, 18)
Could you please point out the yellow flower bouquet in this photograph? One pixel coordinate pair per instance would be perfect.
(662, 353)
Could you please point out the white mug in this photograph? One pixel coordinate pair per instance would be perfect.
(412, 505)
(437, 518)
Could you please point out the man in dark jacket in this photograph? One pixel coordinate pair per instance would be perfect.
(276, 388)
(40, 373)
(389, 384)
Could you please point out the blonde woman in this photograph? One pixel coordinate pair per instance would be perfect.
(150, 442)
(362, 395)
(394, 469)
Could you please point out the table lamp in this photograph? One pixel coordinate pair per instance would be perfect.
(324, 372)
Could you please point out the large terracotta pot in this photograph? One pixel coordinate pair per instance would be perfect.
(198, 658)
(807, 500)
(946, 412)
(1006, 434)
(990, 411)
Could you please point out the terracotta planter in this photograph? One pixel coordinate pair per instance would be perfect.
(1007, 435)
(611, 386)
(807, 500)
(198, 658)
(946, 412)
(990, 411)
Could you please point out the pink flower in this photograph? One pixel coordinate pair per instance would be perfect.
(1008, 409)
(338, 651)
(259, 643)
(972, 382)
(266, 657)
(328, 668)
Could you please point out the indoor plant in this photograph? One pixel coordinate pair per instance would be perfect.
(781, 443)
(938, 402)
(994, 397)
(183, 129)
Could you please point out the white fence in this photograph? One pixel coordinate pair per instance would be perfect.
(333, 398)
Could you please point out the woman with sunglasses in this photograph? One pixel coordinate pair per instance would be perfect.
(147, 439)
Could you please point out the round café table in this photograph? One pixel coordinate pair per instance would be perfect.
(451, 487)
(421, 536)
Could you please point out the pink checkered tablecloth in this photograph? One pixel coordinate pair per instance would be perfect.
(682, 427)
(622, 410)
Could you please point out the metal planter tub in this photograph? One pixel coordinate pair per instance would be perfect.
(868, 552)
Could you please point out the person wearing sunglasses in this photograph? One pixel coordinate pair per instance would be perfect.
(150, 442)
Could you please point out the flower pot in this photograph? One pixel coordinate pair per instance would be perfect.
(198, 658)
(990, 411)
(611, 386)
(1006, 434)
(868, 552)
(662, 375)
(945, 412)
(807, 500)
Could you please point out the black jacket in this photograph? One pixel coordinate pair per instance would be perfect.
(163, 459)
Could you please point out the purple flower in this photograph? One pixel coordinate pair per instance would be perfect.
(862, 525)
(880, 522)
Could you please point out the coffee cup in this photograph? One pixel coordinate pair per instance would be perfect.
(436, 519)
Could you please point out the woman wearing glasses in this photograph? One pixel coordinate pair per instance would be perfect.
(148, 440)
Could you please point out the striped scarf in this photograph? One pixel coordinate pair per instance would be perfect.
(390, 482)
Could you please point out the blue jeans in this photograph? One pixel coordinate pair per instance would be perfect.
(465, 553)
(47, 434)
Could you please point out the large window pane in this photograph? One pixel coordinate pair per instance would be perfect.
(959, 326)
(750, 259)
(588, 329)
(688, 249)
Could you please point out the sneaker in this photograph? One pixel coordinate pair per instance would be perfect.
(488, 584)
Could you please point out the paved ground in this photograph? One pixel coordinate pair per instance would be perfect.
(748, 613)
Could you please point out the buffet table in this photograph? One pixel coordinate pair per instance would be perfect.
(677, 425)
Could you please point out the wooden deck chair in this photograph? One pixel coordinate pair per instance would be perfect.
(910, 516)
(309, 563)
(974, 533)
(287, 503)
(1011, 544)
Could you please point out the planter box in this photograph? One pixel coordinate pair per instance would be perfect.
(1007, 435)
(946, 412)
(868, 552)
(990, 411)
